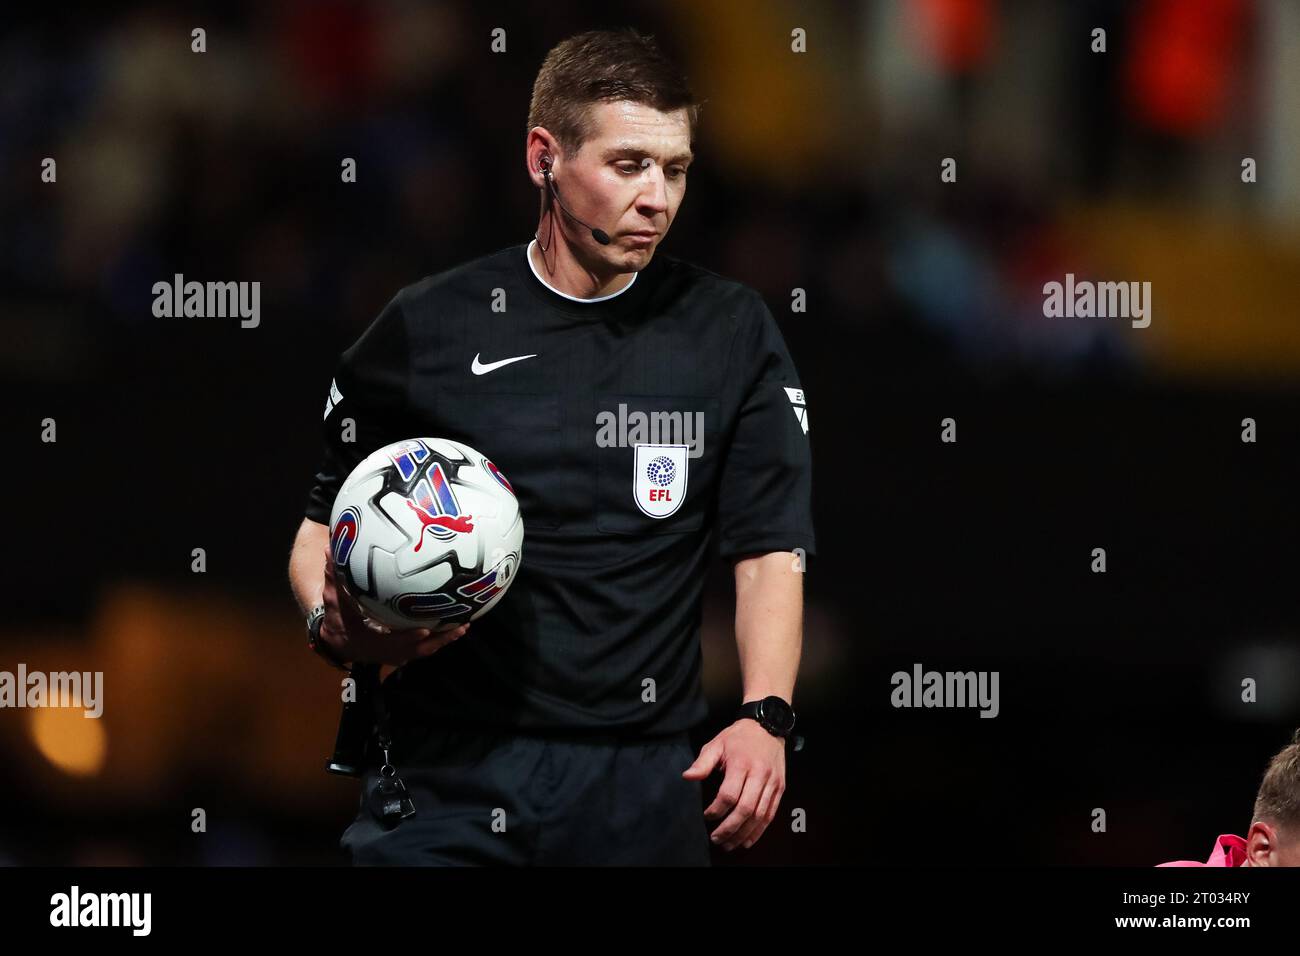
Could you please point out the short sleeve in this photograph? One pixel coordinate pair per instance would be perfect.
(366, 406)
(765, 495)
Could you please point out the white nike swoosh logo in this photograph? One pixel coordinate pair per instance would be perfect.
(478, 368)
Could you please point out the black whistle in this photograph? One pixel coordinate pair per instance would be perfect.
(356, 724)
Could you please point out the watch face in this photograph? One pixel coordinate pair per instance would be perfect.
(778, 713)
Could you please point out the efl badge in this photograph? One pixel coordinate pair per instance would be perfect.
(659, 479)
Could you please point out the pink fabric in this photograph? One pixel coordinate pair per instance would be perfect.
(1229, 850)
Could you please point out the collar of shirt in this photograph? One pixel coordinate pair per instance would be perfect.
(572, 298)
(622, 302)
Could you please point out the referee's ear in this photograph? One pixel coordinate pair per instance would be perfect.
(540, 150)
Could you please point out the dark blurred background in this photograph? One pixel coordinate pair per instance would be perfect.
(816, 170)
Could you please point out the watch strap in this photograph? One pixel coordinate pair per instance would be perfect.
(318, 646)
(753, 710)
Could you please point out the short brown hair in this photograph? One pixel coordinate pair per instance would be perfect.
(1278, 802)
(601, 66)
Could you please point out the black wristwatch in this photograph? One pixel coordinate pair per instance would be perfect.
(314, 618)
(774, 715)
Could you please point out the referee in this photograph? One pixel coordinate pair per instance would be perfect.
(646, 412)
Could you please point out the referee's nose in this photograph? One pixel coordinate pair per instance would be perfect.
(653, 198)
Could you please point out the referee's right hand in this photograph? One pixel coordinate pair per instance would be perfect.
(353, 637)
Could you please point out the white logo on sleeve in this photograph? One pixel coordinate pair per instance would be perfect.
(659, 478)
(800, 412)
(334, 397)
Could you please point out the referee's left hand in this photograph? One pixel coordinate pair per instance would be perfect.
(753, 762)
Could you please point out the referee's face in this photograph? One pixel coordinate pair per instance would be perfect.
(628, 178)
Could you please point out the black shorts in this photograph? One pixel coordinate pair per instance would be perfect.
(511, 799)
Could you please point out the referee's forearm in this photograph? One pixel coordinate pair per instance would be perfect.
(307, 564)
(769, 624)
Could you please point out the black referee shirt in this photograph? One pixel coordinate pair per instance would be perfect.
(600, 628)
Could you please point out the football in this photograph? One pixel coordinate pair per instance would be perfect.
(425, 531)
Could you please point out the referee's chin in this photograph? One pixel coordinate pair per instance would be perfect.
(633, 260)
